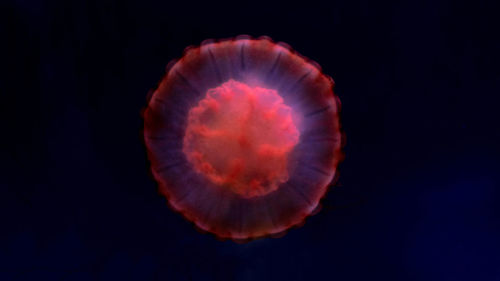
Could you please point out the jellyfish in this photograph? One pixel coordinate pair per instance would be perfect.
(243, 136)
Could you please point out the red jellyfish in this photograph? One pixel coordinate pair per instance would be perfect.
(243, 136)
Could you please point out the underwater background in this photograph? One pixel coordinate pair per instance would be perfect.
(418, 196)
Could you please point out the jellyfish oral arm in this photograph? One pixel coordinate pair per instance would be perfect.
(240, 137)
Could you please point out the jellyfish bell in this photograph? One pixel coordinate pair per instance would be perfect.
(243, 136)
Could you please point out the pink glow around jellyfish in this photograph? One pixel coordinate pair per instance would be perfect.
(243, 136)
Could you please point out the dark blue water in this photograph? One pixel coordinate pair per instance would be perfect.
(418, 196)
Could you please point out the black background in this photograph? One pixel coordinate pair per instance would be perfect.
(418, 196)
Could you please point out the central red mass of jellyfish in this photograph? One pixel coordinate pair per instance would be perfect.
(239, 137)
